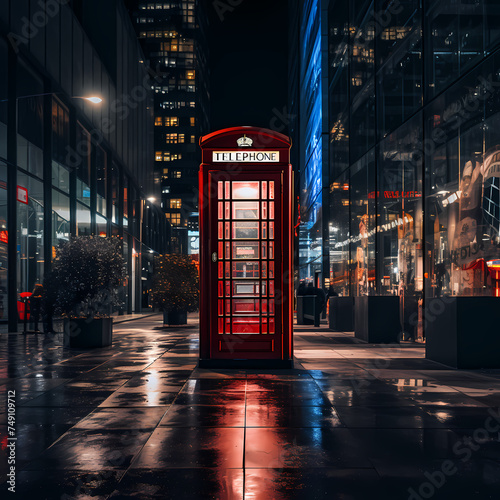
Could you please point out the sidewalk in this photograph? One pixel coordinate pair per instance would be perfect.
(351, 421)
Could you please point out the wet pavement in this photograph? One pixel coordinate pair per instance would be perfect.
(350, 421)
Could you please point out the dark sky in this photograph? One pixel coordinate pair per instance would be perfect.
(248, 62)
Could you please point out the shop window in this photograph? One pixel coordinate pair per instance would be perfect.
(30, 234)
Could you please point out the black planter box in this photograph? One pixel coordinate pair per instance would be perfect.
(84, 333)
(307, 311)
(463, 332)
(175, 318)
(376, 318)
(341, 316)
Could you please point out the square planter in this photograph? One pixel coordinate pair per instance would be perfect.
(341, 315)
(462, 332)
(376, 318)
(85, 334)
(175, 318)
(307, 310)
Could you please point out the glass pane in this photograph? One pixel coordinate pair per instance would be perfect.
(228, 269)
(264, 209)
(264, 325)
(221, 307)
(246, 190)
(228, 288)
(246, 250)
(220, 210)
(246, 288)
(264, 230)
(271, 249)
(271, 325)
(220, 231)
(226, 232)
(246, 325)
(264, 190)
(221, 289)
(245, 210)
(227, 190)
(245, 230)
(245, 269)
(271, 190)
(271, 230)
(245, 306)
(264, 250)
(228, 250)
(264, 269)
(228, 307)
(271, 209)
(221, 269)
(221, 248)
(271, 269)
(221, 325)
(219, 190)
(228, 210)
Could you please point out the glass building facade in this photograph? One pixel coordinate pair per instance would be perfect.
(313, 138)
(67, 166)
(410, 173)
(172, 35)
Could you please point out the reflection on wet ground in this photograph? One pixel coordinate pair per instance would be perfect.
(351, 421)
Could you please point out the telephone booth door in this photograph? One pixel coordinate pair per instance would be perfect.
(245, 266)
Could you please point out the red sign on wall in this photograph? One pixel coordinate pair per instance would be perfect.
(22, 195)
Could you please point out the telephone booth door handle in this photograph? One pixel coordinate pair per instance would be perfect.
(214, 256)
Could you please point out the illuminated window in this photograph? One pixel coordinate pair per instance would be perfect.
(176, 174)
(181, 138)
(158, 121)
(175, 219)
(158, 156)
(190, 75)
(192, 104)
(171, 121)
(165, 172)
(193, 139)
(172, 139)
(192, 121)
(175, 203)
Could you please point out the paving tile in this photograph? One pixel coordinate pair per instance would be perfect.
(302, 448)
(229, 415)
(181, 484)
(172, 447)
(58, 484)
(311, 484)
(272, 415)
(91, 450)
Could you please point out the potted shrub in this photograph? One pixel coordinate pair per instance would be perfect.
(175, 288)
(84, 281)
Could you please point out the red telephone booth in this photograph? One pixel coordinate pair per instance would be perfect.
(246, 251)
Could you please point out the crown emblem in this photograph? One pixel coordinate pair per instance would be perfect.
(244, 142)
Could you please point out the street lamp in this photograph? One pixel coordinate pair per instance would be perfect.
(92, 99)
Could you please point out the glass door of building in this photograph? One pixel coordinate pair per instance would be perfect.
(246, 265)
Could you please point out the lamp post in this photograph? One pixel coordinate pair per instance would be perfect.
(92, 99)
